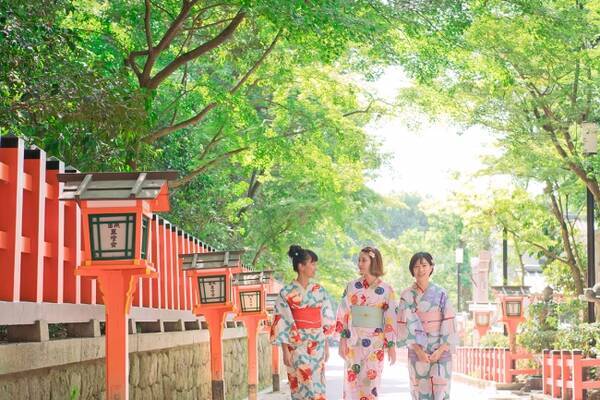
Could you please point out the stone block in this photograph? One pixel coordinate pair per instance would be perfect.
(174, 326)
(84, 329)
(134, 369)
(36, 332)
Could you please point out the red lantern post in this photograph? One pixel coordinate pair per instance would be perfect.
(213, 293)
(251, 296)
(512, 303)
(116, 213)
(482, 316)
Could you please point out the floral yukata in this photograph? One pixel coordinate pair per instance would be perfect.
(303, 318)
(366, 345)
(426, 318)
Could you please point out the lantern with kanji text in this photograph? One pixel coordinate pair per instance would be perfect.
(116, 210)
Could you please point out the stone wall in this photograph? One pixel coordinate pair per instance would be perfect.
(177, 373)
(173, 365)
(265, 375)
(235, 363)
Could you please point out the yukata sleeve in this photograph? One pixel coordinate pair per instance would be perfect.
(283, 329)
(389, 319)
(410, 328)
(343, 316)
(328, 319)
(448, 333)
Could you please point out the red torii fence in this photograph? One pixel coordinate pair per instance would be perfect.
(41, 245)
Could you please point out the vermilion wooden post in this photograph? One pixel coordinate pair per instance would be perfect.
(34, 205)
(545, 371)
(163, 265)
(556, 373)
(215, 318)
(506, 366)
(275, 368)
(251, 322)
(72, 252)
(176, 269)
(565, 375)
(54, 227)
(169, 264)
(11, 212)
(577, 375)
(154, 292)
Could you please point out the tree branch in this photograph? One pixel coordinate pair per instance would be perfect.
(204, 48)
(187, 178)
(567, 246)
(204, 112)
(256, 64)
(365, 111)
(147, 28)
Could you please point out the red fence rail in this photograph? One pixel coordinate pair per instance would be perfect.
(492, 364)
(564, 374)
(41, 245)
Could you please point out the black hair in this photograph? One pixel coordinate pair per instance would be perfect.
(301, 256)
(422, 255)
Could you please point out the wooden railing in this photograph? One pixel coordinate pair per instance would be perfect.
(565, 374)
(492, 364)
(41, 245)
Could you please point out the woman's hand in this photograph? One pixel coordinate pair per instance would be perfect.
(287, 355)
(392, 354)
(437, 354)
(326, 350)
(343, 349)
(421, 355)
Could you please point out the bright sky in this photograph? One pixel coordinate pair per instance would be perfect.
(426, 158)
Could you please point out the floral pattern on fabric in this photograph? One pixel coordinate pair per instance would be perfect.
(307, 375)
(427, 318)
(366, 346)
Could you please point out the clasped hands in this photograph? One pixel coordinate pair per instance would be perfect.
(429, 358)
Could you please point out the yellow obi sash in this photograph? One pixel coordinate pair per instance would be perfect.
(367, 317)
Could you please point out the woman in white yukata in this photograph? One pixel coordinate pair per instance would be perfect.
(303, 319)
(426, 326)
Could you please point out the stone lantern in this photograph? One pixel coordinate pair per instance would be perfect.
(512, 305)
(482, 316)
(251, 293)
(116, 212)
(212, 274)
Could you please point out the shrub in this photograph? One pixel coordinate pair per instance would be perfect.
(585, 338)
(494, 340)
(541, 329)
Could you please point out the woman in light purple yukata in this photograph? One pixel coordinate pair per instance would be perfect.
(426, 326)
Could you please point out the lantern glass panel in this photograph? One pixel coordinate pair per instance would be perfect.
(112, 236)
(250, 301)
(482, 319)
(212, 289)
(145, 232)
(513, 308)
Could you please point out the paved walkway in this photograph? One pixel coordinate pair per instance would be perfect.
(394, 385)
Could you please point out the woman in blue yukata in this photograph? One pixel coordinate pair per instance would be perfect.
(426, 326)
(303, 319)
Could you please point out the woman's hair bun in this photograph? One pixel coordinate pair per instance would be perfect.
(295, 251)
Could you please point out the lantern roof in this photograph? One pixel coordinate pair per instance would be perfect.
(512, 290)
(114, 185)
(251, 278)
(212, 260)
(485, 307)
